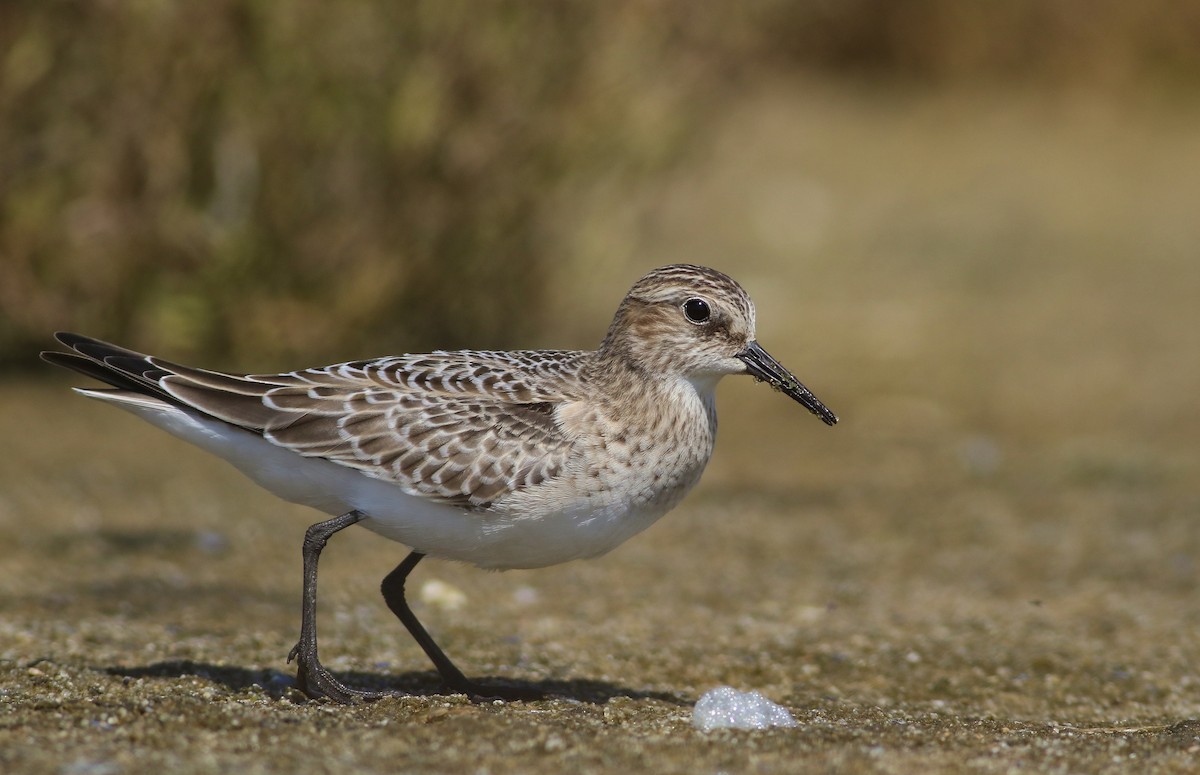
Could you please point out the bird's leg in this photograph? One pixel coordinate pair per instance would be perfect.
(311, 676)
(393, 594)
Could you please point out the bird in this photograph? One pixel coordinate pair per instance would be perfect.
(499, 459)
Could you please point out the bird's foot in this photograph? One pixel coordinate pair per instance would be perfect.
(315, 681)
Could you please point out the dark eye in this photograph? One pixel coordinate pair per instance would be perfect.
(696, 310)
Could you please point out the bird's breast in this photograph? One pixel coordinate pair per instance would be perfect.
(634, 462)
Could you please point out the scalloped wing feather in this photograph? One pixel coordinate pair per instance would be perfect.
(462, 428)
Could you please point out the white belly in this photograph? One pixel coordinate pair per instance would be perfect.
(530, 533)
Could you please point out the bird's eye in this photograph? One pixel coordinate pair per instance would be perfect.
(696, 310)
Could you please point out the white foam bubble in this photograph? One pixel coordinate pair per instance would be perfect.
(442, 595)
(727, 708)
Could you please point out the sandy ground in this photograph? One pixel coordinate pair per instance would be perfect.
(989, 566)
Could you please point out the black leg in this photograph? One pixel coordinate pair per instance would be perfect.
(311, 677)
(393, 594)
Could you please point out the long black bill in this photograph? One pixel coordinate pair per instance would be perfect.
(761, 366)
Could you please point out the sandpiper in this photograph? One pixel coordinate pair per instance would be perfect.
(517, 459)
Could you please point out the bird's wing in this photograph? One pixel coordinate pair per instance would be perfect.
(463, 428)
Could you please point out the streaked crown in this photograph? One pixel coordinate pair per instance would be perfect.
(682, 319)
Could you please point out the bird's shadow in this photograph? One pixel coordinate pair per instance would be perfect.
(278, 684)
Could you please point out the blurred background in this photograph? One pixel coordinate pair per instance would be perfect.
(963, 218)
(293, 182)
(972, 228)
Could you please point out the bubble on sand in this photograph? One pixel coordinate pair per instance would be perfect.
(727, 708)
(442, 595)
(525, 595)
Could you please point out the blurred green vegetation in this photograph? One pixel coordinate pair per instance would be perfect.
(307, 180)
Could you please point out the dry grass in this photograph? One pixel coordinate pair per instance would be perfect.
(991, 564)
(204, 177)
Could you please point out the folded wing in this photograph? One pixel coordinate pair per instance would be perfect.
(464, 428)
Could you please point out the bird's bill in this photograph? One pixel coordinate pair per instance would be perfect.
(761, 366)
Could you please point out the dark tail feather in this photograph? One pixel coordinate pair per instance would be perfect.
(116, 366)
